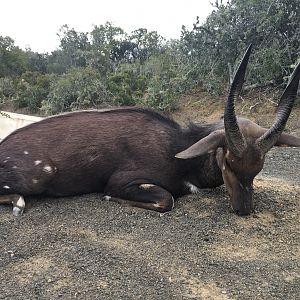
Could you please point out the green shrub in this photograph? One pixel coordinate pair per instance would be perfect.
(167, 78)
(80, 88)
(127, 87)
(7, 89)
(31, 89)
(159, 96)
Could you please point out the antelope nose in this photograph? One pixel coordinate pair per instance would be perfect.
(244, 209)
(243, 212)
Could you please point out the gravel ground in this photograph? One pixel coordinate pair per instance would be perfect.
(85, 248)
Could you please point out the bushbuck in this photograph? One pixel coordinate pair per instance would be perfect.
(139, 156)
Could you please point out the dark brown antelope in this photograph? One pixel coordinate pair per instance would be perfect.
(141, 157)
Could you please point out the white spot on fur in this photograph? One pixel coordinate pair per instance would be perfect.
(35, 181)
(193, 189)
(37, 162)
(26, 152)
(15, 167)
(6, 159)
(6, 187)
(47, 169)
(223, 168)
(146, 186)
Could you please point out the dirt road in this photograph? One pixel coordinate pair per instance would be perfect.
(85, 248)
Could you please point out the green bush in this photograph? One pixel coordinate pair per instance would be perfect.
(110, 67)
(31, 89)
(80, 88)
(216, 46)
(7, 89)
(167, 77)
(127, 87)
(159, 96)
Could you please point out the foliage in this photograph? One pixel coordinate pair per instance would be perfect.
(79, 88)
(31, 89)
(166, 80)
(36, 62)
(126, 86)
(216, 46)
(7, 89)
(12, 58)
(107, 66)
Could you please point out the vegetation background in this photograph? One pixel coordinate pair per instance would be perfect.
(109, 67)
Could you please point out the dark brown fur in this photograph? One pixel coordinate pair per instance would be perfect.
(107, 152)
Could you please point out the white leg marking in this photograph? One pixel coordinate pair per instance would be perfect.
(106, 198)
(18, 207)
(193, 188)
(6, 187)
(37, 162)
(21, 202)
(17, 211)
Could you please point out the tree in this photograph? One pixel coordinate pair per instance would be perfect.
(216, 46)
(36, 62)
(147, 43)
(31, 89)
(105, 38)
(75, 46)
(79, 88)
(12, 58)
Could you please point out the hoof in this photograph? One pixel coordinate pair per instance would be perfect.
(17, 211)
(18, 206)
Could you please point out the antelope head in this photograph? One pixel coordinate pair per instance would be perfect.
(240, 147)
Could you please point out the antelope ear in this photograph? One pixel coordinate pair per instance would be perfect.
(288, 140)
(208, 144)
